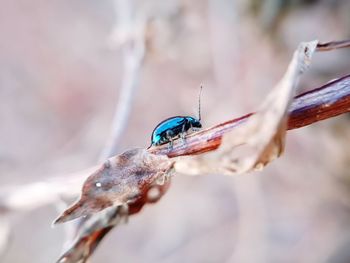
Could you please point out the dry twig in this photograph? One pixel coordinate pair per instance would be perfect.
(330, 100)
(333, 45)
(130, 35)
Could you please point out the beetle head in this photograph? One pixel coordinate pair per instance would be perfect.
(195, 123)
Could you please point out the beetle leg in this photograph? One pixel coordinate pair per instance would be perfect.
(183, 134)
(171, 143)
(169, 136)
(170, 147)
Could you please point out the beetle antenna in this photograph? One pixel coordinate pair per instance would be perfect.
(199, 103)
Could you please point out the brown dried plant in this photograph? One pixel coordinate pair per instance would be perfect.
(126, 182)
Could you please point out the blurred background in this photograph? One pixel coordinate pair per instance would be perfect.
(62, 69)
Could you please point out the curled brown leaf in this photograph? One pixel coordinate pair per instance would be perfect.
(98, 225)
(263, 134)
(122, 179)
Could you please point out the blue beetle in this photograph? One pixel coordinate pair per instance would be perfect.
(174, 127)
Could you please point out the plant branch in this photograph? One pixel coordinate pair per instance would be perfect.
(130, 35)
(333, 45)
(322, 103)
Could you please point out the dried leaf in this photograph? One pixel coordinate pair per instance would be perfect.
(264, 133)
(97, 226)
(262, 136)
(92, 228)
(122, 179)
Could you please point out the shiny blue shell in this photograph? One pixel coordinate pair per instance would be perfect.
(171, 128)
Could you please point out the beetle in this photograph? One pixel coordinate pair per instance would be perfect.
(178, 126)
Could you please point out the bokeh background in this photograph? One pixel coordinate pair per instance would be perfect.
(61, 73)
